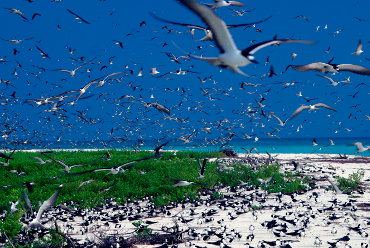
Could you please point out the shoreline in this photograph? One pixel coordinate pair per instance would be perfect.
(241, 155)
(237, 209)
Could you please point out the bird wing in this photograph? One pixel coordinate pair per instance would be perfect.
(354, 68)
(46, 205)
(359, 47)
(103, 169)
(221, 34)
(78, 17)
(298, 110)
(39, 159)
(317, 66)
(281, 123)
(177, 23)
(248, 24)
(328, 78)
(254, 48)
(236, 3)
(325, 106)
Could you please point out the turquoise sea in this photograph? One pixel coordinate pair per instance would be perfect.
(293, 145)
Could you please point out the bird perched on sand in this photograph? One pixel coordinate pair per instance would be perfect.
(310, 108)
(360, 147)
(230, 56)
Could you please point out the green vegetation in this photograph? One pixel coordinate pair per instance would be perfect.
(352, 182)
(150, 177)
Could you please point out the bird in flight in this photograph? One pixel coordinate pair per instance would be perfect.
(18, 12)
(207, 31)
(333, 68)
(310, 108)
(35, 223)
(77, 17)
(224, 3)
(360, 147)
(72, 72)
(230, 56)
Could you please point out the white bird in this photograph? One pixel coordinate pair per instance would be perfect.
(181, 183)
(224, 3)
(281, 123)
(13, 207)
(67, 168)
(360, 147)
(358, 49)
(36, 223)
(310, 108)
(72, 72)
(231, 57)
(41, 161)
(317, 241)
(154, 71)
(333, 68)
(332, 82)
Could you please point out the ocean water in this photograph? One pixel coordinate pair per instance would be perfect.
(293, 145)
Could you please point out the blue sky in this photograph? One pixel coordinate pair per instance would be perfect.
(218, 104)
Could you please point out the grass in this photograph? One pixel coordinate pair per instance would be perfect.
(146, 178)
(347, 185)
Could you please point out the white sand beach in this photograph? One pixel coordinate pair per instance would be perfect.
(319, 214)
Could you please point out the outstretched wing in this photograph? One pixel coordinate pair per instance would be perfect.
(46, 205)
(298, 110)
(325, 106)
(254, 48)
(354, 68)
(221, 34)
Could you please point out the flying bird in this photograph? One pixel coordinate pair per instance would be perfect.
(67, 168)
(333, 68)
(310, 108)
(207, 31)
(334, 83)
(358, 49)
(231, 57)
(17, 12)
(36, 223)
(202, 167)
(72, 72)
(224, 3)
(77, 17)
(360, 147)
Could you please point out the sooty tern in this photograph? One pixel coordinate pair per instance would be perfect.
(231, 57)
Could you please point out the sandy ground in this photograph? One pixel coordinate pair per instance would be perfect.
(319, 213)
